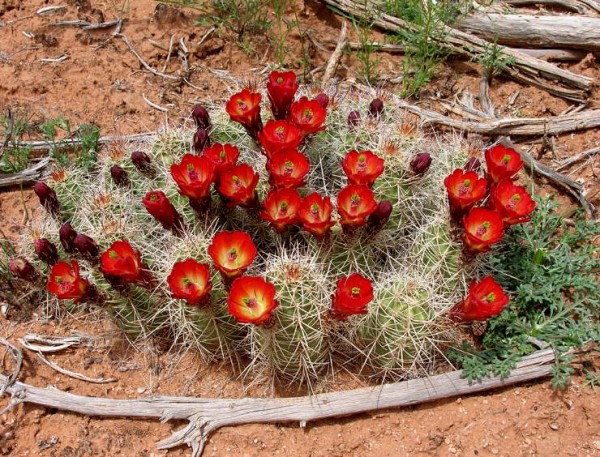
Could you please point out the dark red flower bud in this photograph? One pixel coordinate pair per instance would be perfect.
(201, 117)
(67, 235)
(86, 246)
(119, 176)
(375, 108)
(159, 206)
(201, 140)
(420, 163)
(142, 162)
(381, 214)
(353, 119)
(22, 269)
(48, 198)
(473, 164)
(46, 251)
(323, 100)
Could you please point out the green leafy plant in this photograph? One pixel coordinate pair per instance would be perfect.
(493, 60)
(551, 269)
(422, 51)
(368, 64)
(58, 133)
(14, 156)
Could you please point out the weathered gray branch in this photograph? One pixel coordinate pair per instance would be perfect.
(28, 175)
(544, 31)
(525, 69)
(578, 6)
(207, 415)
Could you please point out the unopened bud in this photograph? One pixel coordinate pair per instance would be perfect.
(353, 119)
(119, 176)
(67, 235)
(473, 164)
(201, 117)
(86, 246)
(142, 162)
(22, 269)
(375, 108)
(48, 197)
(323, 100)
(46, 251)
(201, 140)
(381, 215)
(420, 163)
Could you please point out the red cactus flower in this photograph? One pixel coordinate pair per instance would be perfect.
(288, 169)
(352, 295)
(121, 260)
(232, 252)
(485, 299)
(223, 156)
(308, 116)
(281, 89)
(279, 136)
(512, 202)
(159, 207)
(251, 300)
(362, 168)
(194, 175)
(315, 214)
(281, 208)
(483, 227)
(355, 203)
(244, 107)
(238, 185)
(190, 281)
(502, 162)
(64, 281)
(464, 189)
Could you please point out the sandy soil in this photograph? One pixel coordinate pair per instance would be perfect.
(102, 82)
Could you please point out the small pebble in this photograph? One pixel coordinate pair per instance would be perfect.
(554, 426)
(140, 390)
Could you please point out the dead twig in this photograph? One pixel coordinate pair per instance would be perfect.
(581, 156)
(154, 105)
(143, 62)
(72, 374)
(17, 356)
(28, 175)
(207, 415)
(335, 56)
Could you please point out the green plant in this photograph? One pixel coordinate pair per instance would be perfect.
(368, 63)
(242, 17)
(493, 60)
(551, 269)
(14, 156)
(423, 53)
(57, 132)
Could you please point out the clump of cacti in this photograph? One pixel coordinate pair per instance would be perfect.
(320, 234)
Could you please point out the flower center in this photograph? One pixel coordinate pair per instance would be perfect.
(465, 187)
(250, 302)
(241, 104)
(283, 208)
(308, 115)
(314, 209)
(355, 201)
(113, 254)
(232, 255)
(279, 131)
(490, 297)
(355, 291)
(483, 228)
(288, 168)
(506, 159)
(279, 80)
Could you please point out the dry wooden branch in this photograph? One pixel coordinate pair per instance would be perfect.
(336, 56)
(208, 415)
(571, 32)
(564, 55)
(525, 69)
(72, 142)
(578, 6)
(581, 156)
(28, 175)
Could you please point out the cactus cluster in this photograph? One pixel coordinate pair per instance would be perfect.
(404, 246)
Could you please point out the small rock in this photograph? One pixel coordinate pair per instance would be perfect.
(140, 390)
(554, 426)
(596, 445)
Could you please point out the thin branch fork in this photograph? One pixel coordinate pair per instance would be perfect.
(207, 415)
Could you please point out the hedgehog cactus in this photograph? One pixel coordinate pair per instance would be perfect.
(348, 200)
(294, 344)
(398, 336)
